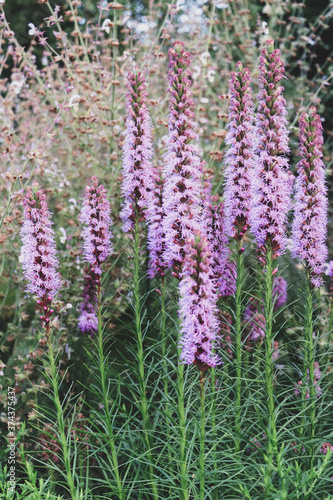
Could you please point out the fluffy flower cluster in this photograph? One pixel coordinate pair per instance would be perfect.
(271, 180)
(137, 153)
(38, 253)
(155, 216)
(183, 172)
(199, 324)
(280, 291)
(88, 322)
(224, 270)
(310, 219)
(239, 158)
(96, 214)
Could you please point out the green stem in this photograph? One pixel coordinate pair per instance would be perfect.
(269, 366)
(202, 437)
(182, 431)
(60, 417)
(214, 433)
(238, 346)
(103, 374)
(309, 365)
(140, 357)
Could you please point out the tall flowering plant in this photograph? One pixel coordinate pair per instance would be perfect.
(309, 234)
(271, 202)
(138, 190)
(183, 172)
(40, 268)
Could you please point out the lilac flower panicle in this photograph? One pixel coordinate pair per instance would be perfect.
(96, 214)
(38, 252)
(137, 153)
(239, 157)
(310, 219)
(88, 321)
(223, 268)
(198, 311)
(183, 170)
(280, 291)
(271, 179)
(155, 237)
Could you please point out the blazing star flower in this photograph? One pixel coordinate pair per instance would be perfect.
(88, 322)
(96, 214)
(224, 270)
(183, 171)
(239, 158)
(271, 180)
(310, 219)
(198, 311)
(155, 227)
(38, 252)
(280, 288)
(137, 153)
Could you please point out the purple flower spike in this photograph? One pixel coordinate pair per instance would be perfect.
(183, 170)
(271, 180)
(310, 219)
(280, 288)
(256, 322)
(38, 252)
(239, 158)
(88, 321)
(224, 270)
(96, 214)
(138, 152)
(155, 227)
(199, 324)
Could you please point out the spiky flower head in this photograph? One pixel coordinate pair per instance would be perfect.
(271, 180)
(155, 216)
(310, 219)
(182, 189)
(223, 268)
(137, 152)
(38, 252)
(88, 321)
(239, 158)
(96, 214)
(198, 311)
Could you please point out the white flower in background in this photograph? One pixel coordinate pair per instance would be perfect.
(107, 24)
(32, 30)
(219, 4)
(44, 61)
(63, 238)
(310, 41)
(204, 100)
(68, 351)
(210, 75)
(196, 72)
(180, 4)
(72, 205)
(74, 101)
(204, 58)
(265, 28)
(2, 2)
